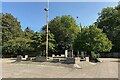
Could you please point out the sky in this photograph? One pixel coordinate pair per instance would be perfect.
(32, 14)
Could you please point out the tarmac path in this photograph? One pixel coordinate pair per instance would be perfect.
(107, 69)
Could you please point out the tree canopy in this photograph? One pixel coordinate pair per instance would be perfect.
(109, 21)
(17, 45)
(64, 33)
(15, 40)
(92, 39)
(65, 30)
(28, 33)
(11, 27)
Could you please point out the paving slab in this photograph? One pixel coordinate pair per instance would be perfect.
(107, 69)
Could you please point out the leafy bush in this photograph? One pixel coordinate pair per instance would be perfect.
(93, 55)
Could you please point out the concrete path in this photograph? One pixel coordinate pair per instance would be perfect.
(107, 69)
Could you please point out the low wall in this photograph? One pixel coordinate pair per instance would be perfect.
(110, 55)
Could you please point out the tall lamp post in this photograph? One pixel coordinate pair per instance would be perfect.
(80, 23)
(80, 29)
(46, 9)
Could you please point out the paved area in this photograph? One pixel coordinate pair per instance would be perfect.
(107, 69)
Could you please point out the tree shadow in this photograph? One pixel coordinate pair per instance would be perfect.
(116, 61)
(13, 59)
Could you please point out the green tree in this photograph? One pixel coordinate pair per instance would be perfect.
(11, 27)
(37, 41)
(17, 45)
(109, 21)
(28, 33)
(65, 30)
(51, 43)
(92, 39)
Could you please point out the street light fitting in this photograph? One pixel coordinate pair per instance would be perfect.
(46, 9)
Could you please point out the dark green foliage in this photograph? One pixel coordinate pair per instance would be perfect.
(82, 54)
(93, 57)
(17, 45)
(64, 33)
(28, 33)
(39, 43)
(92, 39)
(51, 43)
(109, 21)
(11, 28)
(37, 38)
(16, 41)
(65, 30)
